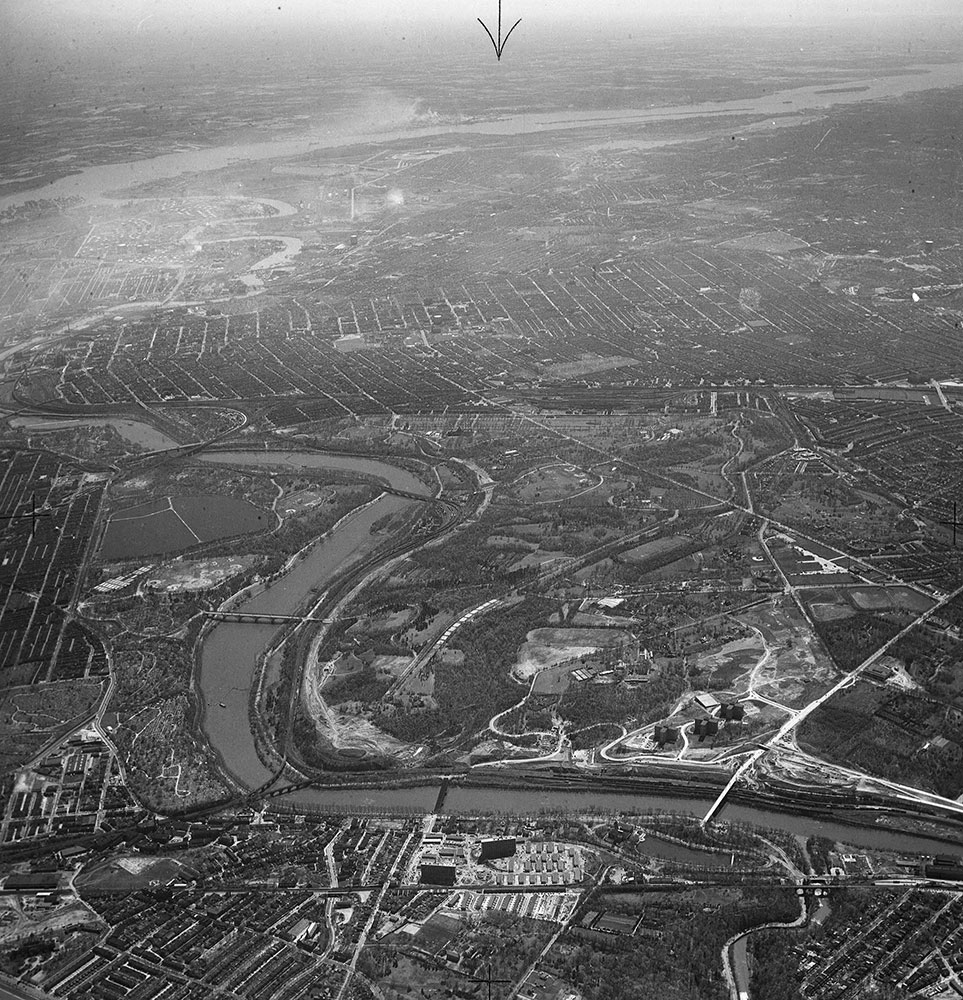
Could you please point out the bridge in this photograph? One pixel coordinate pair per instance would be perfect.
(263, 619)
(452, 506)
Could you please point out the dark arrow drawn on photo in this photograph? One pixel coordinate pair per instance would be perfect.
(501, 43)
(32, 515)
(955, 523)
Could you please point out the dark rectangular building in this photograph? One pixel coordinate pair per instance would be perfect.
(32, 882)
(500, 848)
(948, 873)
(438, 874)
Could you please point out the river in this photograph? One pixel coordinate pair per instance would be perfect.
(230, 651)
(97, 182)
(291, 247)
(298, 461)
(529, 802)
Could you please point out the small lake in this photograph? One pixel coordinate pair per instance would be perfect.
(134, 431)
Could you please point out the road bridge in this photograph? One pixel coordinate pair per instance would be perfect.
(252, 618)
(800, 715)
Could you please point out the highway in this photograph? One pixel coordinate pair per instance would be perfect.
(802, 714)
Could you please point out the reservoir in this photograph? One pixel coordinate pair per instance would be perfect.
(134, 431)
(230, 651)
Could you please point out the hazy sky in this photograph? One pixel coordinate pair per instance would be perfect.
(147, 15)
(57, 36)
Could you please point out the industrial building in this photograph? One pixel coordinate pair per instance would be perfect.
(493, 849)
(437, 874)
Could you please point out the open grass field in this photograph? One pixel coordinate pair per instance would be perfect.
(170, 524)
(884, 598)
(871, 599)
(553, 680)
(825, 612)
(910, 600)
(656, 547)
(133, 873)
(553, 484)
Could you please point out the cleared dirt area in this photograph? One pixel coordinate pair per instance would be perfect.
(726, 666)
(196, 574)
(343, 729)
(547, 647)
(132, 873)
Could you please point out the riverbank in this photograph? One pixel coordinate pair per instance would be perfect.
(106, 182)
(401, 794)
(231, 652)
(230, 655)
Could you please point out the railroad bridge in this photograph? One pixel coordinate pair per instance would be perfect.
(261, 619)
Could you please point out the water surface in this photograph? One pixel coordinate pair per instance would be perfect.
(135, 431)
(96, 183)
(231, 651)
